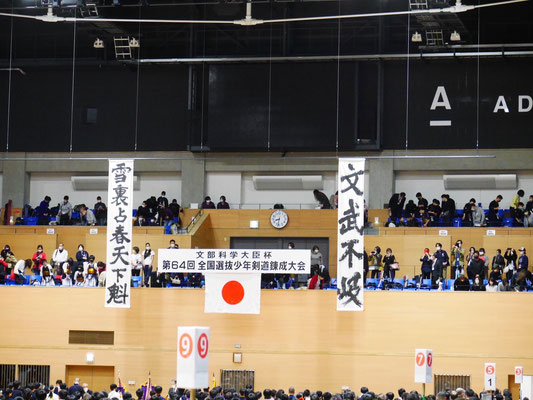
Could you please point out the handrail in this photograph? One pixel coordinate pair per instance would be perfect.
(194, 220)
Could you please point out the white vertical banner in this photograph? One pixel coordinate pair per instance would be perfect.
(119, 234)
(423, 365)
(490, 376)
(193, 357)
(350, 245)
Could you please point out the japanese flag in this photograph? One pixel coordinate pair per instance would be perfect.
(232, 293)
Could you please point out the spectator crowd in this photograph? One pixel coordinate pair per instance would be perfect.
(152, 212)
(444, 212)
(81, 391)
(469, 270)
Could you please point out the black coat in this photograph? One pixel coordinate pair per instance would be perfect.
(323, 200)
(396, 205)
(475, 267)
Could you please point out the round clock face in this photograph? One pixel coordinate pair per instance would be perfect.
(279, 219)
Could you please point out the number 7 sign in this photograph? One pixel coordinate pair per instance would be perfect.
(423, 365)
(490, 376)
(193, 360)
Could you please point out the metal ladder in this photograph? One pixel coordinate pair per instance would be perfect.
(122, 48)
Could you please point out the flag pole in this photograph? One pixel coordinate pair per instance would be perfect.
(193, 394)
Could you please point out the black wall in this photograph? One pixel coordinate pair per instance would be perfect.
(318, 106)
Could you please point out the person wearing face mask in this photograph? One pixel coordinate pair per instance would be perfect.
(511, 259)
(523, 260)
(477, 285)
(519, 214)
(39, 257)
(316, 260)
(47, 278)
(82, 257)
(208, 204)
(374, 261)
(457, 259)
(223, 205)
(442, 256)
(64, 215)
(136, 262)
(388, 260)
(91, 276)
(498, 261)
(427, 264)
(59, 256)
(470, 256)
(483, 257)
(66, 277)
(9, 258)
(475, 267)
(90, 264)
(148, 259)
(144, 212)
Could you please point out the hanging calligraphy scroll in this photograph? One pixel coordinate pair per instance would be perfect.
(350, 246)
(119, 234)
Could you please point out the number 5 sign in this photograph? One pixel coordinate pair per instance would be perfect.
(423, 365)
(193, 360)
(490, 376)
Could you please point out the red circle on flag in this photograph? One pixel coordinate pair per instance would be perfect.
(232, 292)
(430, 359)
(518, 371)
(489, 370)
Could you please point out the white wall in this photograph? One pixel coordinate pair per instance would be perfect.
(224, 183)
(431, 185)
(267, 198)
(56, 185)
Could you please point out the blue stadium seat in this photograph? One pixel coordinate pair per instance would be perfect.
(426, 284)
(411, 285)
(134, 212)
(167, 230)
(372, 283)
(449, 284)
(31, 221)
(457, 222)
(136, 280)
(333, 283)
(508, 222)
(34, 278)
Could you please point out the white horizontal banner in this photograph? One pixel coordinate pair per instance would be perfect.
(289, 261)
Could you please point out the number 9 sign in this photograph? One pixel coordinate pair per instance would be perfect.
(193, 360)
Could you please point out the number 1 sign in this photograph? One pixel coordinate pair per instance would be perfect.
(490, 376)
(193, 359)
(423, 365)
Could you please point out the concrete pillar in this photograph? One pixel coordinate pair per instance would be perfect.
(15, 183)
(381, 181)
(192, 182)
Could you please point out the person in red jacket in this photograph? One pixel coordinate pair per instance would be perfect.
(38, 259)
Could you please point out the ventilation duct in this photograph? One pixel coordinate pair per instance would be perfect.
(495, 181)
(288, 182)
(97, 182)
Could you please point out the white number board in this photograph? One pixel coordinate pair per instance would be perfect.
(423, 365)
(193, 357)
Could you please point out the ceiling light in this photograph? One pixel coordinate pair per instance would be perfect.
(134, 43)
(455, 37)
(98, 44)
(416, 38)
